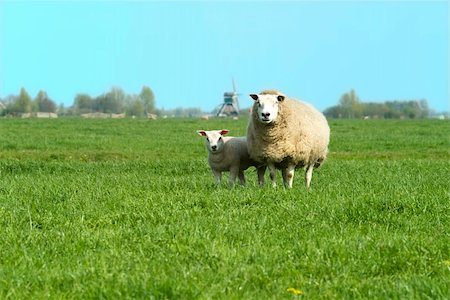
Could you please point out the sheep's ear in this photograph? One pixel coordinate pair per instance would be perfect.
(254, 96)
(201, 132)
(280, 98)
(224, 131)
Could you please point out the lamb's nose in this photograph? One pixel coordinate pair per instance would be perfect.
(265, 115)
(214, 147)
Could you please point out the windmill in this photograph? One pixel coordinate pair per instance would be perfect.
(230, 105)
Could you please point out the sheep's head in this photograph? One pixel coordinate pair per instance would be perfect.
(214, 141)
(267, 106)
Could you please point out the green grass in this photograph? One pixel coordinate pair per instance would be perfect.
(126, 209)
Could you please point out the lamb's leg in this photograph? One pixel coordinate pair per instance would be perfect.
(308, 175)
(217, 176)
(272, 173)
(233, 174)
(261, 170)
(241, 177)
(288, 176)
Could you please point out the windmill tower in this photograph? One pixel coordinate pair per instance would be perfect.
(230, 105)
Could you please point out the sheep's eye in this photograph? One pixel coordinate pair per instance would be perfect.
(220, 138)
(207, 139)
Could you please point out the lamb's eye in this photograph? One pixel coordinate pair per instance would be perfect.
(220, 138)
(207, 139)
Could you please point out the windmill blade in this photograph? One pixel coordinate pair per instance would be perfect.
(234, 86)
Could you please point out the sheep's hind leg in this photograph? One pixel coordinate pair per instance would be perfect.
(284, 173)
(308, 175)
(241, 177)
(288, 176)
(272, 172)
(261, 170)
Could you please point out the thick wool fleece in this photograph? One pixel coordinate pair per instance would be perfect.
(299, 135)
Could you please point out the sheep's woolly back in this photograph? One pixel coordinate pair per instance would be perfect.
(300, 134)
(272, 92)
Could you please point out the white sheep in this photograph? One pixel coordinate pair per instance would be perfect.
(287, 134)
(229, 154)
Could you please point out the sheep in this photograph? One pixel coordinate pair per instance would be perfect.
(286, 134)
(229, 154)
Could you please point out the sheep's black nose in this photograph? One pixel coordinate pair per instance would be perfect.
(265, 115)
(214, 147)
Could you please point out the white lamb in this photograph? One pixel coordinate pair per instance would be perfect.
(287, 134)
(229, 154)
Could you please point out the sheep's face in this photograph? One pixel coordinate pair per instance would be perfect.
(214, 140)
(267, 107)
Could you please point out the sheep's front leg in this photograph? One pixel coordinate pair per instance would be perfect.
(272, 173)
(308, 175)
(217, 176)
(288, 176)
(261, 170)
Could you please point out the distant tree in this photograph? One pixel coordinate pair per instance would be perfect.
(8, 103)
(334, 112)
(135, 107)
(116, 101)
(425, 110)
(22, 104)
(350, 105)
(113, 101)
(83, 103)
(374, 110)
(411, 110)
(2, 106)
(61, 110)
(148, 99)
(43, 103)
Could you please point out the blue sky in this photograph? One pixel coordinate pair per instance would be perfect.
(188, 52)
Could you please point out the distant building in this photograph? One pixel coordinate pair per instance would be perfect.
(41, 115)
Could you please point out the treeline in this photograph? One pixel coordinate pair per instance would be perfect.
(116, 101)
(23, 103)
(351, 107)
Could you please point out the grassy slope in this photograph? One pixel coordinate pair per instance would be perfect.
(127, 209)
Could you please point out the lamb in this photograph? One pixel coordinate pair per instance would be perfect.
(229, 154)
(287, 134)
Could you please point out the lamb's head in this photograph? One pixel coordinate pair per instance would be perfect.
(214, 140)
(266, 106)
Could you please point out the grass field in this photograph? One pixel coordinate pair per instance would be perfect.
(126, 209)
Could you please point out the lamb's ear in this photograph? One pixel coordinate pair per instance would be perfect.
(280, 98)
(224, 131)
(254, 96)
(201, 132)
